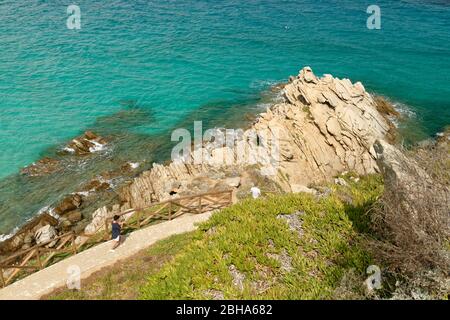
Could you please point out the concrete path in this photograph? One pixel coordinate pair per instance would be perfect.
(94, 259)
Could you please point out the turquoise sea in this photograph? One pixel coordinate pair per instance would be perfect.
(137, 69)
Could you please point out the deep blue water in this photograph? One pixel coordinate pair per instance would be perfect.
(193, 59)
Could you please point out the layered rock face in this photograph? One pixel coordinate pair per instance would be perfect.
(324, 126)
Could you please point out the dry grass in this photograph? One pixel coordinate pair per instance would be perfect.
(411, 222)
(412, 240)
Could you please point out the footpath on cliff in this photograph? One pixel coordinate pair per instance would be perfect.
(94, 259)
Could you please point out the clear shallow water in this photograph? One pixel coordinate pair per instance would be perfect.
(179, 61)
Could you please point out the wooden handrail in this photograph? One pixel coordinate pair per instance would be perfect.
(182, 198)
(20, 253)
(70, 237)
(172, 201)
(19, 267)
(2, 278)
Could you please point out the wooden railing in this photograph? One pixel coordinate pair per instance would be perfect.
(41, 256)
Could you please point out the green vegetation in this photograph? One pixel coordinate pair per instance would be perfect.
(251, 237)
(293, 246)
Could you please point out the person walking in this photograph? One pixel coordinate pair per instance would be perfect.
(115, 231)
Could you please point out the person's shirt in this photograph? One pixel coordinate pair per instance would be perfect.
(115, 230)
(255, 192)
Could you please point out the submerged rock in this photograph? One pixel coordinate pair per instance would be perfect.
(95, 185)
(42, 167)
(385, 107)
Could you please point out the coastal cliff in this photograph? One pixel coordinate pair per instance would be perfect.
(323, 126)
(321, 143)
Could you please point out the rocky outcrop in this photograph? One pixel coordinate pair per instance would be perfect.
(68, 204)
(443, 139)
(70, 219)
(47, 225)
(88, 143)
(25, 237)
(45, 234)
(324, 126)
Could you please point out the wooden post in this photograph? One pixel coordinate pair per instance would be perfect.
(138, 220)
(2, 278)
(74, 246)
(199, 209)
(106, 229)
(38, 254)
(170, 210)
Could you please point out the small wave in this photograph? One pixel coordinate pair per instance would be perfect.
(42, 210)
(68, 149)
(4, 237)
(442, 134)
(83, 193)
(404, 110)
(134, 165)
(97, 146)
(405, 113)
(264, 84)
(49, 210)
(264, 106)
